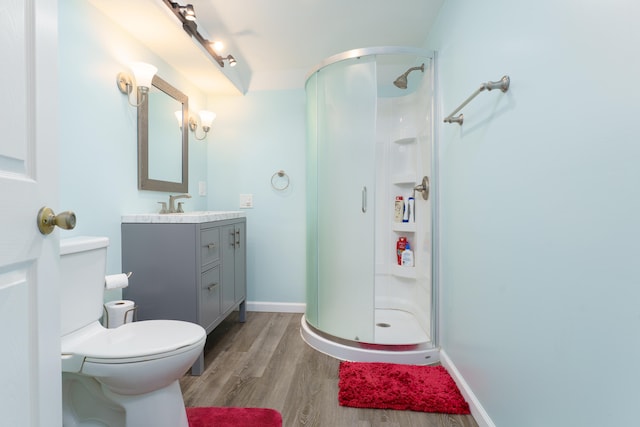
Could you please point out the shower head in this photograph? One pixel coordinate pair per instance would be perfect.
(401, 81)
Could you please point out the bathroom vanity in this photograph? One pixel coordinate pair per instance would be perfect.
(187, 266)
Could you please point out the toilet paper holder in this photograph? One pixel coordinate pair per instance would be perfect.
(117, 281)
(133, 311)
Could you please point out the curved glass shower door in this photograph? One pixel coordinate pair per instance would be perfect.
(370, 142)
(343, 156)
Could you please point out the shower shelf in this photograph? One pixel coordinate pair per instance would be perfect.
(406, 227)
(405, 178)
(405, 272)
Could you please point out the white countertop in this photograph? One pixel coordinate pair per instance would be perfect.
(183, 218)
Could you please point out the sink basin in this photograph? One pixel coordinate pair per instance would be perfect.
(183, 218)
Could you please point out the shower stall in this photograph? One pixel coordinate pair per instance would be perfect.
(370, 141)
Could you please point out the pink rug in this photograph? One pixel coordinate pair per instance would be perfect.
(403, 387)
(233, 417)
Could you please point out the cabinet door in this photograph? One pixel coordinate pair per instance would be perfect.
(240, 259)
(228, 266)
(233, 264)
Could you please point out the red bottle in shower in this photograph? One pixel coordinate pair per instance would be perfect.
(400, 246)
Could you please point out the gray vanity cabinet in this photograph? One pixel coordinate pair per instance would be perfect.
(186, 271)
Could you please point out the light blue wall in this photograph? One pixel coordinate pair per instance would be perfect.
(98, 129)
(540, 198)
(253, 137)
(539, 192)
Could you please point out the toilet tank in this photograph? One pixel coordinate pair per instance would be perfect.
(83, 263)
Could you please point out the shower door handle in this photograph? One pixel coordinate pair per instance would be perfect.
(364, 199)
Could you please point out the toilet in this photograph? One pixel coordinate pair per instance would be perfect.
(122, 377)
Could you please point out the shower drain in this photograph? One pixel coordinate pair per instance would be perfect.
(383, 325)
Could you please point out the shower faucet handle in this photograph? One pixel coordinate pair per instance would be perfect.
(423, 188)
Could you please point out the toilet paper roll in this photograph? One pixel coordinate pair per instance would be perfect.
(118, 313)
(116, 281)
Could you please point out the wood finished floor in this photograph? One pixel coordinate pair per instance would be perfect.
(265, 363)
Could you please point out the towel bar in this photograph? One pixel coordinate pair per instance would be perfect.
(502, 84)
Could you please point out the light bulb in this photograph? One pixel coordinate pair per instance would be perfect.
(217, 46)
(206, 119)
(143, 73)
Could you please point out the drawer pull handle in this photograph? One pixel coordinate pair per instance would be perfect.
(211, 286)
(210, 246)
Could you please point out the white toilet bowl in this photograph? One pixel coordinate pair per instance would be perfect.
(137, 366)
(122, 377)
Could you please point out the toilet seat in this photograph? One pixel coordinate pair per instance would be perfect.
(133, 342)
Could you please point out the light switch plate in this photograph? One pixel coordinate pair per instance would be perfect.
(246, 201)
(202, 188)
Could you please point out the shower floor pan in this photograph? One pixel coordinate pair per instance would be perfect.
(410, 354)
(397, 327)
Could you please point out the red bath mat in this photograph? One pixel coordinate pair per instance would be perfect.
(403, 387)
(233, 417)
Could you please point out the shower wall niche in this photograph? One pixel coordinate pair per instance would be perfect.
(369, 141)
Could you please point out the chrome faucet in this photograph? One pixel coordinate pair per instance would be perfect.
(172, 202)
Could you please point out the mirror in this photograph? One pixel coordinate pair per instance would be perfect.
(163, 145)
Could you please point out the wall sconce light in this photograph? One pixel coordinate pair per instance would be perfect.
(141, 80)
(206, 119)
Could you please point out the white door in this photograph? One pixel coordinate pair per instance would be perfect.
(30, 392)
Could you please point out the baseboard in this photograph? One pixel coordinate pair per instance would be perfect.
(478, 412)
(276, 307)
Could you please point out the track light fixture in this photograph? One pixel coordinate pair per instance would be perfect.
(188, 12)
(231, 60)
(187, 16)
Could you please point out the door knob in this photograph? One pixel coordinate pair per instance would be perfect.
(47, 220)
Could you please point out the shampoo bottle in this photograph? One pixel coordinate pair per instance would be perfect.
(407, 256)
(405, 216)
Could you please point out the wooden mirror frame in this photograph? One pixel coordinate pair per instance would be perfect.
(144, 182)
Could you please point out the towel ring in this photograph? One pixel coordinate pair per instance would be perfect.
(280, 180)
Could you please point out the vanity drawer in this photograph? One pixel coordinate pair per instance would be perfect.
(209, 246)
(210, 298)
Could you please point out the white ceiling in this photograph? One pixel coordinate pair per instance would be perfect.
(275, 42)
